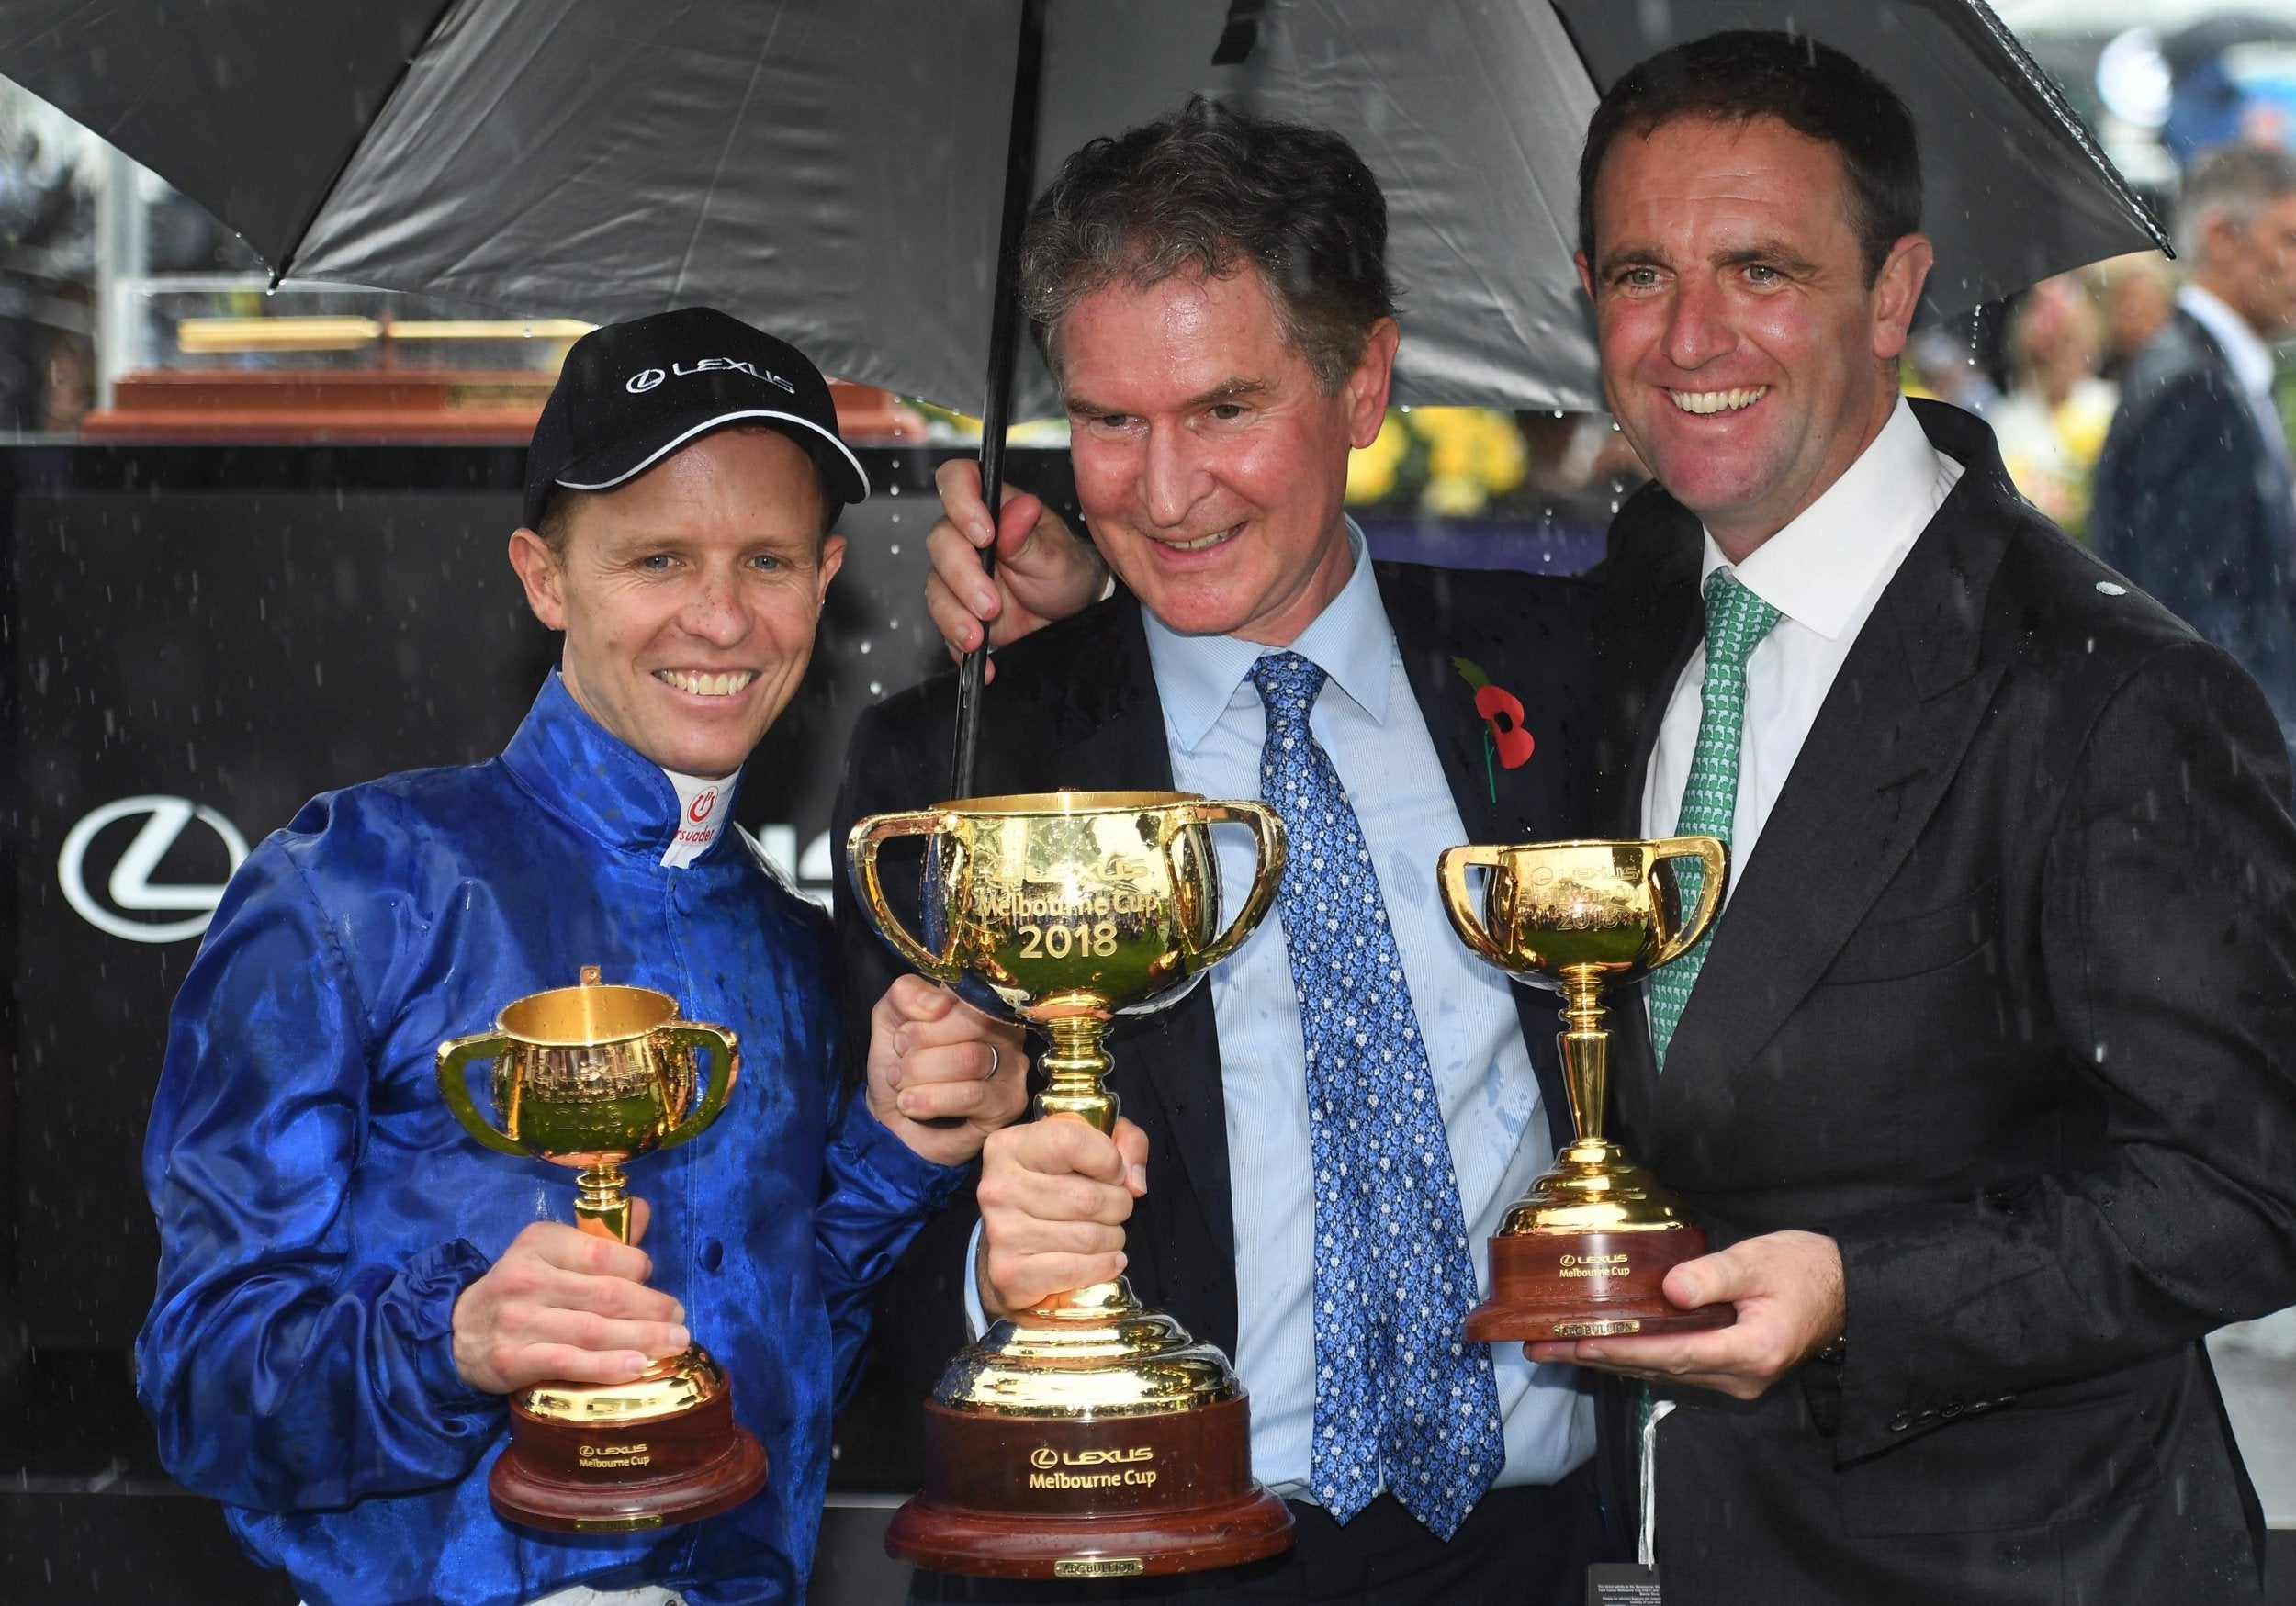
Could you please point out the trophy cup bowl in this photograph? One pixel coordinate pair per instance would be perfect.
(1088, 1437)
(590, 1077)
(1585, 1252)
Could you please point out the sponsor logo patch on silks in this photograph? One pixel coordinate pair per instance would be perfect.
(703, 808)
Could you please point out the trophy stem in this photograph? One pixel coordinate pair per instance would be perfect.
(1074, 1068)
(1585, 1051)
(599, 1196)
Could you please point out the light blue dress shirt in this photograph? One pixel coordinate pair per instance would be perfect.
(1369, 722)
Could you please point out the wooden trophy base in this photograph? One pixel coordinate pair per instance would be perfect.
(1105, 1497)
(624, 1476)
(1546, 1285)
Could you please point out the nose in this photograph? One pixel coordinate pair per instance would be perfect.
(1697, 324)
(713, 611)
(1170, 479)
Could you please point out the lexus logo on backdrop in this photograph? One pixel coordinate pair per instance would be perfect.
(130, 890)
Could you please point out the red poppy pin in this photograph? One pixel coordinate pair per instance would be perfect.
(1505, 740)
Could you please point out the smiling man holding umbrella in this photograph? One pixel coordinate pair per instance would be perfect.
(1984, 1079)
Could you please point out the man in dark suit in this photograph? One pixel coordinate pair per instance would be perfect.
(1210, 292)
(1986, 1079)
(2195, 500)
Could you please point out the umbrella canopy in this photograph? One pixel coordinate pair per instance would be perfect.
(832, 169)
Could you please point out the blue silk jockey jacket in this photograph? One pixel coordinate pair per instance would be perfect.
(319, 1209)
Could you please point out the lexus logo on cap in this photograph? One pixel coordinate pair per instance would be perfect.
(646, 379)
(130, 890)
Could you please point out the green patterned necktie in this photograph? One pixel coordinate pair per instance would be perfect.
(1737, 620)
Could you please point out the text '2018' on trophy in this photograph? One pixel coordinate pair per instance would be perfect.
(1584, 1255)
(589, 1077)
(1088, 1437)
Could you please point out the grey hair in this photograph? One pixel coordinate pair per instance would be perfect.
(1213, 191)
(2232, 182)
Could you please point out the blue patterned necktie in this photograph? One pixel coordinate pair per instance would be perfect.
(1737, 620)
(1402, 1401)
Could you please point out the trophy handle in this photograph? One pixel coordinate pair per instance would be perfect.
(1268, 872)
(725, 1066)
(1716, 859)
(860, 851)
(1459, 905)
(454, 1056)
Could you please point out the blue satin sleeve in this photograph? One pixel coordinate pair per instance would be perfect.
(876, 1192)
(283, 1369)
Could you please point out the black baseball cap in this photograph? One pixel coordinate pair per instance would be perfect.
(631, 394)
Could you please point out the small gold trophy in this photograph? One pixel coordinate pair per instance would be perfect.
(1584, 1255)
(591, 1076)
(1088, 1437)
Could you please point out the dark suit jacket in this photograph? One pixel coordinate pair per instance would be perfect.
(2004, 1001)
(2196, 509)
(1076, 705)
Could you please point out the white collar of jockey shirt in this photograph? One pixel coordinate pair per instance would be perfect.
(704, 806)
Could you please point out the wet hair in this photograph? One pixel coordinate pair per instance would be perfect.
(2233, 181)
(557, 523)
(1813, 88)
(1214, 191)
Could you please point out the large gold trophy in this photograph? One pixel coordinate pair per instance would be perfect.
(1088, 1437)
(589, 1077)
(1584, 1254)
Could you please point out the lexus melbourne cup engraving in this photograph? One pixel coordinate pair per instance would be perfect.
(1584, 1254)
(592, 1077)
(1088, 1437)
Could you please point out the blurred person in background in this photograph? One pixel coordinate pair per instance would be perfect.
(2138, 295)
(1942, 365)
(2052, 424)
(2196, 498)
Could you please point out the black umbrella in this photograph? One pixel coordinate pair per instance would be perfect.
(851, 172)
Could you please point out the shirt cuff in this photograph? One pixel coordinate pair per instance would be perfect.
(875, 1152)
(975, 1319)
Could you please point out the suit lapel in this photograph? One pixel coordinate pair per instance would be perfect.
(1884, 747)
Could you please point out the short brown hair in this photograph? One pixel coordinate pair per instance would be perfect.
(1212, 190)
(1812, 88)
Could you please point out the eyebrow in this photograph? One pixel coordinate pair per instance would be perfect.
(1773, 251)
(1235, 389)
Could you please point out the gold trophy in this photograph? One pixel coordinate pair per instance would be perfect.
(1584, 1254)
(1088, 1437)
(588, 1077)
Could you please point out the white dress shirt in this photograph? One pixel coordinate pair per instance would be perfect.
(1369, 722)
(1823, 573)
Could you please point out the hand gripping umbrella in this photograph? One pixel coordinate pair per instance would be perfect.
(851, 173)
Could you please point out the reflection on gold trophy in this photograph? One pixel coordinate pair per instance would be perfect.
(1584, 1254)
(589, 1077)
(1088, 1437)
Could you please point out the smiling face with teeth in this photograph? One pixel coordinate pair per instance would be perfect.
(688, 596)
(1746, 353)
(1210, 464)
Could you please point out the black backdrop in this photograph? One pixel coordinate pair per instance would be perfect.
(197, 641)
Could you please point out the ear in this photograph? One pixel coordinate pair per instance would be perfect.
(539, 572)
(1586, 273)
(1367, 386)
(832, 560)
(1897, 293)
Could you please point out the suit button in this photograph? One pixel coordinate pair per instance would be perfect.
(713, 1254)
(1953, 1407)
(1979, 1407)
(1901, 1421)
(1927, 1416)
(2005, 1400)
